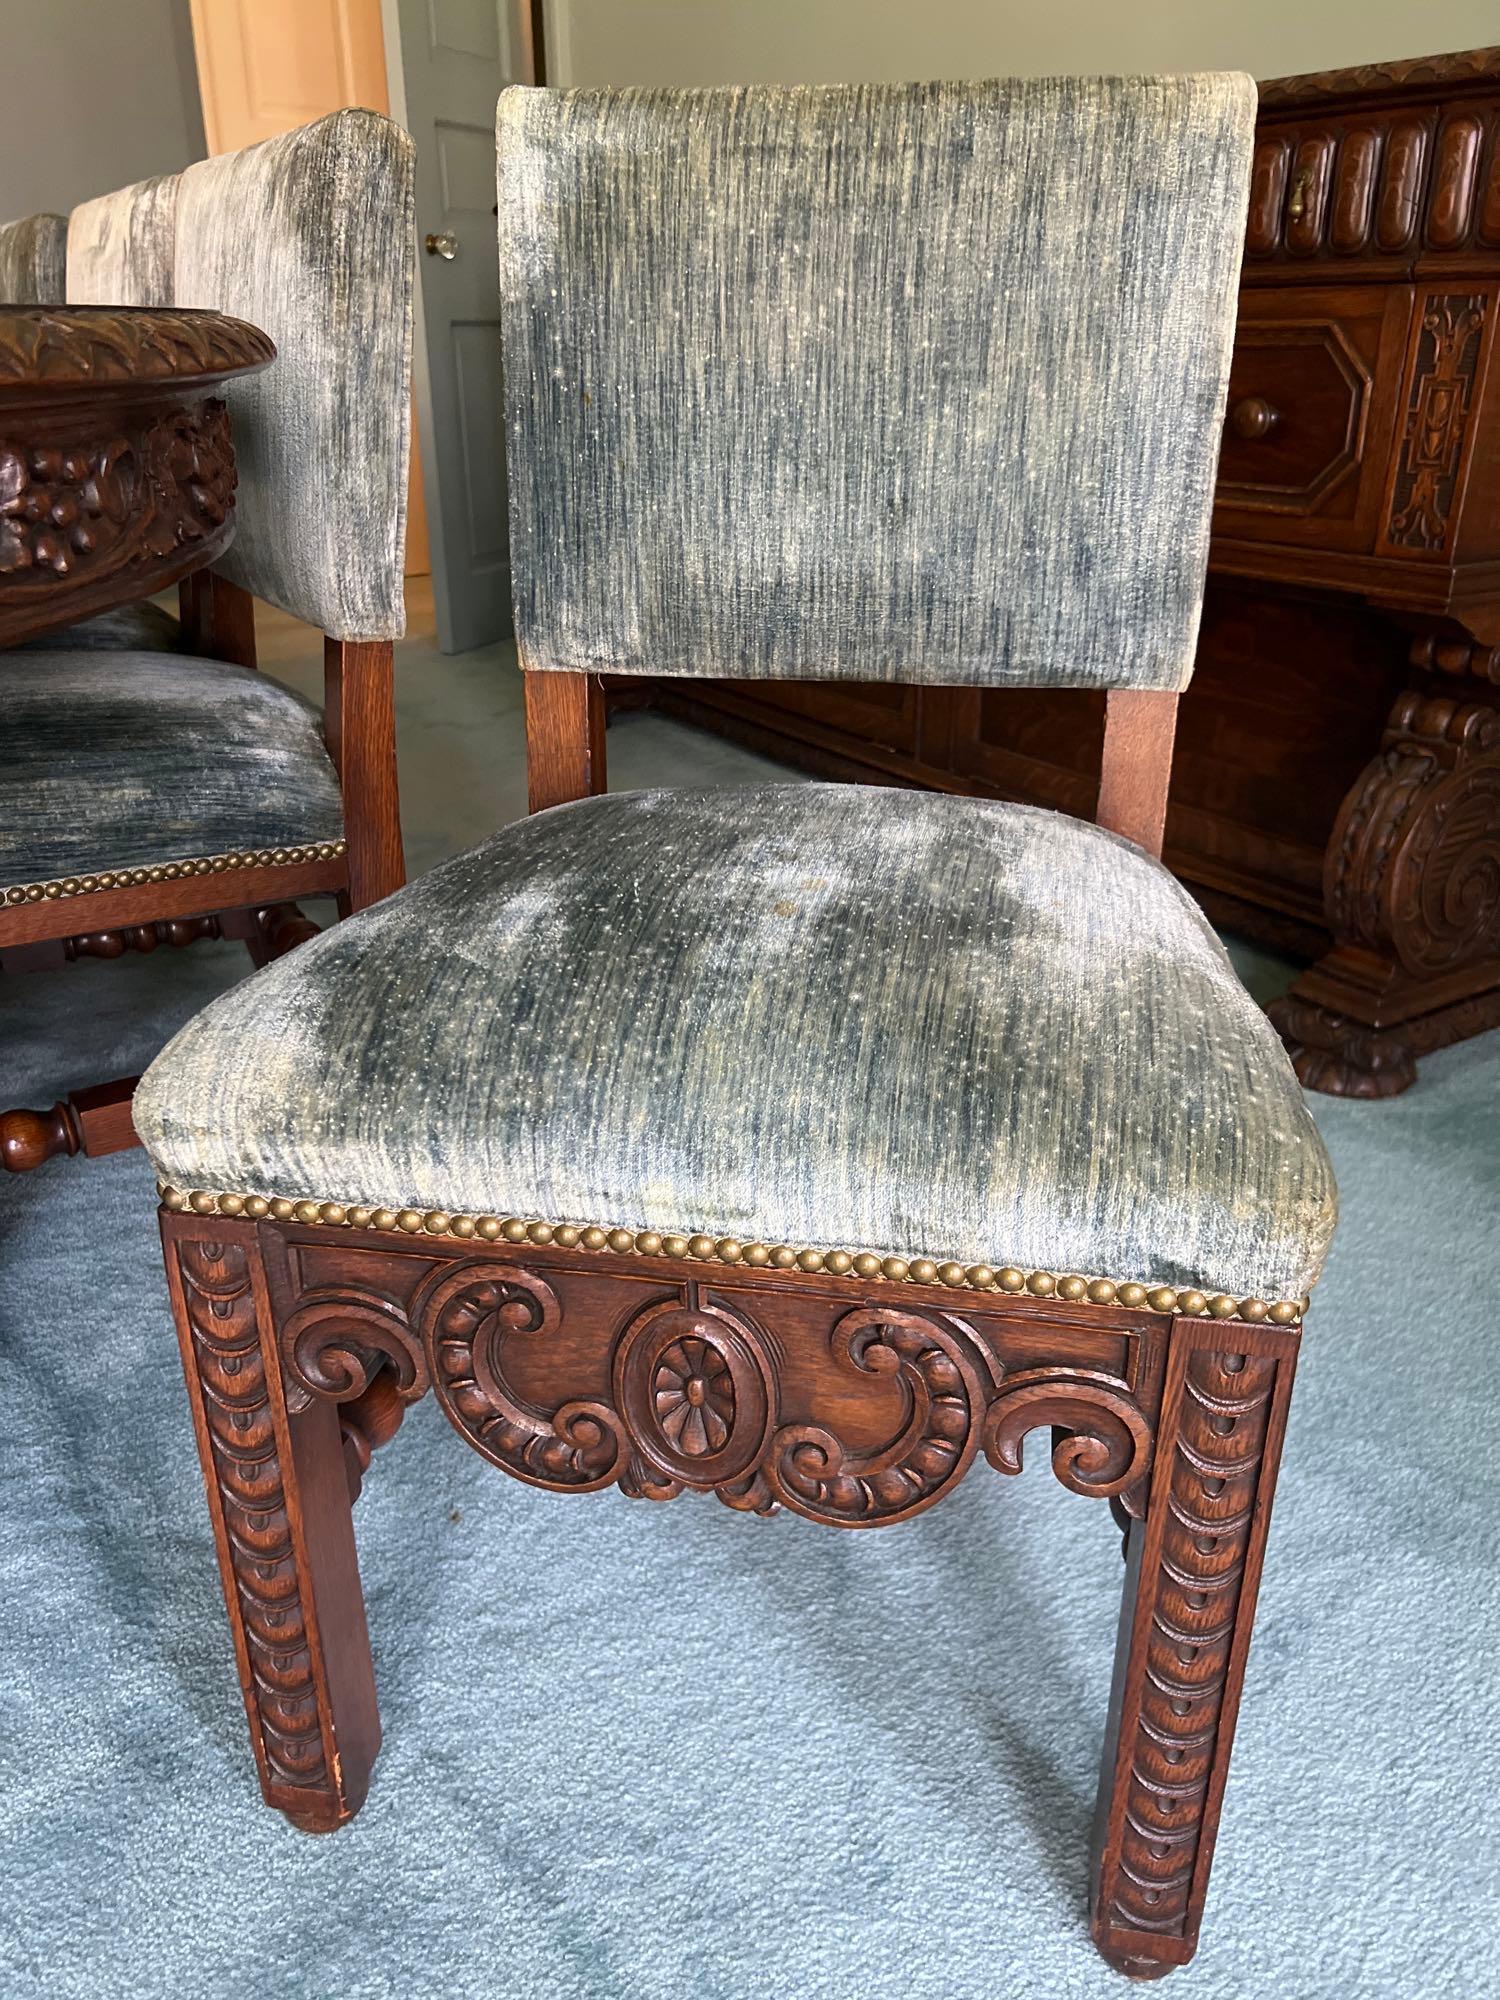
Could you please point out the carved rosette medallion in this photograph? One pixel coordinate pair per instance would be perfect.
(466, 1319)
(693, 1391)
(246, 1470)
(692, 1382)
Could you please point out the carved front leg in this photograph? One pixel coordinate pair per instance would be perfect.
(1412, 888)
(1193, 1570)
(280, 1503)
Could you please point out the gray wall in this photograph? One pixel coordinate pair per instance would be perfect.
(98, 93)
(860, 41)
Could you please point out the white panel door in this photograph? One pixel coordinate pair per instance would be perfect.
(447, 61)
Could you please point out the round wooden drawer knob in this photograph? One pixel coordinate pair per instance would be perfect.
(1253, 417)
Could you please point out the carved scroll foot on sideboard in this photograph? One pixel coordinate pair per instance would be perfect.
(1411, 888)
(1342, 1057)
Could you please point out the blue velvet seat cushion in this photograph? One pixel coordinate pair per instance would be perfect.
(113, 758)
(143, 627)
(821, 1015)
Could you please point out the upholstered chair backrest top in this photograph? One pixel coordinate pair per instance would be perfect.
(914, 383)
(31, 260)
(121, 246)
(309, 236)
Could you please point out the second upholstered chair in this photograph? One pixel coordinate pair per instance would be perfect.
(33, 252)
(797, 1144)
(153, 786)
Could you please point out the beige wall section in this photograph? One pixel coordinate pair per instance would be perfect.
(267, 66)
(867, 41)
(95, 99)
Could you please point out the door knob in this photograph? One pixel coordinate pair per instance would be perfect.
(442, 244)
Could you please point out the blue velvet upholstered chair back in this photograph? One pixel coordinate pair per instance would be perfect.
(310, 236)
(31, 260)
(900, 383)
(121, 246)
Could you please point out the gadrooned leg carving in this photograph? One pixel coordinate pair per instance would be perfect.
(231, 1379)
(312, 1716)
(1195, 1565)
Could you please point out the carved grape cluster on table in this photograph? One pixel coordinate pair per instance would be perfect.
(117, 471)
(98, 506)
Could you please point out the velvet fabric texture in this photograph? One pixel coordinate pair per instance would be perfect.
(121, 246)
(908, 383)
(824, 1015)
(32, 256)
(146, 627)
(310, 236)
(118, 759)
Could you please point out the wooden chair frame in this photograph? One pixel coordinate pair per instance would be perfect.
(851, 1388)
(180, 906)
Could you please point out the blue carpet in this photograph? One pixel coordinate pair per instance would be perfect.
(669, 1753)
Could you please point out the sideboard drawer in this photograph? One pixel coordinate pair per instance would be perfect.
(1313, 401)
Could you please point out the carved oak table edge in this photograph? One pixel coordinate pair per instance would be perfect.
(855, 1400)
(117, 470)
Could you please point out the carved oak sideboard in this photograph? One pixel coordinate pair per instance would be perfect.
(1336, 791)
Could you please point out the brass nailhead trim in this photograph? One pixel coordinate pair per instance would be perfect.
(171, 871)
(759, 1256)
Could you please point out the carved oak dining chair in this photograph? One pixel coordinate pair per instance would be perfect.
(796, 1143)
(32, 256)
(154, 788)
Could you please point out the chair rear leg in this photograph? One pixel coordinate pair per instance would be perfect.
(1193, 1571)
(359, 718)
(279, 1496)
